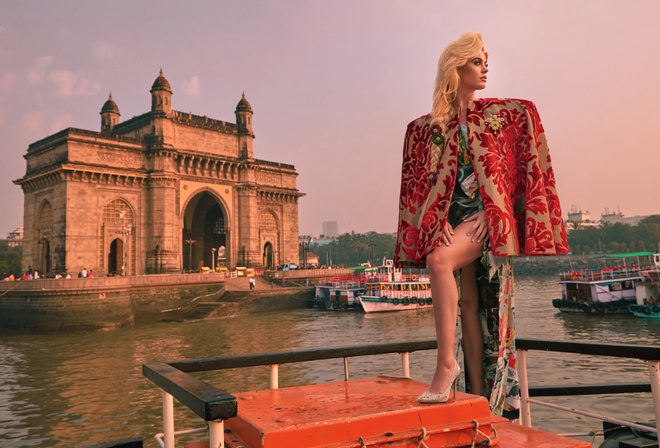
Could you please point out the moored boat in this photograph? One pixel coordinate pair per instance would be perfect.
(388, 289)
(647, 293)
(339, 294)
(608, 291)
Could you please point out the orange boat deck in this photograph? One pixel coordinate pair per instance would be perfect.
(374, 412)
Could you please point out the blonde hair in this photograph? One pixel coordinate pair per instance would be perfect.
(455, 55)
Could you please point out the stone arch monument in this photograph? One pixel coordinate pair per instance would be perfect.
(165, 191)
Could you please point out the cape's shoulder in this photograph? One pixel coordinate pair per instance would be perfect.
(517, 103)
(421, 121)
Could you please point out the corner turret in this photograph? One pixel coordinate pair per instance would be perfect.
(244, 128)
(109, 115)
(161, 95)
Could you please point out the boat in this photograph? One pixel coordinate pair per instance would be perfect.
(608, 291)
(340, 293)
(647, 293)
(381, 411)
(388, 289)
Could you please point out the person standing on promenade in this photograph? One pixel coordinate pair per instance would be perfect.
(477, 188)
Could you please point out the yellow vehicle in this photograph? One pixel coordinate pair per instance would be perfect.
(205, 270)
(241, 271)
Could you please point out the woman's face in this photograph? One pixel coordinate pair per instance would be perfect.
(473, 74)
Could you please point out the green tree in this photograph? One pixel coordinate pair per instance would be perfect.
(10, 259)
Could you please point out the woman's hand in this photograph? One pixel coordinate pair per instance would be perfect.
(479, 228)
(447, 233)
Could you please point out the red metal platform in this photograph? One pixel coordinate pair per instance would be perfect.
(374, 412)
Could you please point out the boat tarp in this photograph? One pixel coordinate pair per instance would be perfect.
(357, 268)
(630, 255)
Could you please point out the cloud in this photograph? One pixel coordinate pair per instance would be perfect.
(64, 80)
(7, 81)
(192, 87)
(37, 69)
(31, 122)
(69, 84)
(87, 87)
(104, 51)
(61, 122)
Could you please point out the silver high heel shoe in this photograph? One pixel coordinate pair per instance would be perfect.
(430, 397)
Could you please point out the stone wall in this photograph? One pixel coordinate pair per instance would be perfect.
(101, 303)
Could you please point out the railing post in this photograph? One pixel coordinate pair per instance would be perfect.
(654, 374)
(525, 410)
(168, 420)
(274, 376)
(216, 434)
(405, 364)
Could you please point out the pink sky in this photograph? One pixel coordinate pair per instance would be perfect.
(333, 85)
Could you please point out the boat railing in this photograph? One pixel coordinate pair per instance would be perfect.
(215, 405)
(598, 275)
(650, 354)
(652, 274)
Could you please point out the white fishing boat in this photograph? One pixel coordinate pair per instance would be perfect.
(340, 294)
(388, 289)
(608, 291)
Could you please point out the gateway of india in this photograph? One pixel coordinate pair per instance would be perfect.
(165, 191)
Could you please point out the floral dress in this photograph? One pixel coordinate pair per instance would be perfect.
(502, 386)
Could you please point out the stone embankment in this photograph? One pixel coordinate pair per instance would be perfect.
(528, 266)
(238, 299)
(84, 304)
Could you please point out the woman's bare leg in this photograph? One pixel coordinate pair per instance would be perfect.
(473, 341)
(442, 262)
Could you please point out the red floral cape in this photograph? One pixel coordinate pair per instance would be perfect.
(516, 182)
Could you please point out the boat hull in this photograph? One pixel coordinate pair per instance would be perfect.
(647, 311)
(374, 304)
(576, 307)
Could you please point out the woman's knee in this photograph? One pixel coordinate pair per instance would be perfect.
(439, 261)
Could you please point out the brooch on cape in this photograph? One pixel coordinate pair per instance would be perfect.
(494, 122)
(437, 139)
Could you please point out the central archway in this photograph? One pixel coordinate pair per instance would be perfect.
(204, 232)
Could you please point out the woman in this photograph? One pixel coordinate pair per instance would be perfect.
(477, 187)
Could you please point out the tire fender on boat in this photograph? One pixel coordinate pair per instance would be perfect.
(647, 310)
(429, 301)
(655, 309)
(395, 301)
(406, 301)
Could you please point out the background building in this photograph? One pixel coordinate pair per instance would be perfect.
(330, 229)
(161, 192)
(15, 238)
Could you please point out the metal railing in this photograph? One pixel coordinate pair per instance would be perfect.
(650, 354)
(214, 405)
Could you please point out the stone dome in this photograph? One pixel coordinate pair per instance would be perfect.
(243, 105)
(161, 83)
(110, 106)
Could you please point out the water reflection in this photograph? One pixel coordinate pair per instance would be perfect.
(72, 390)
